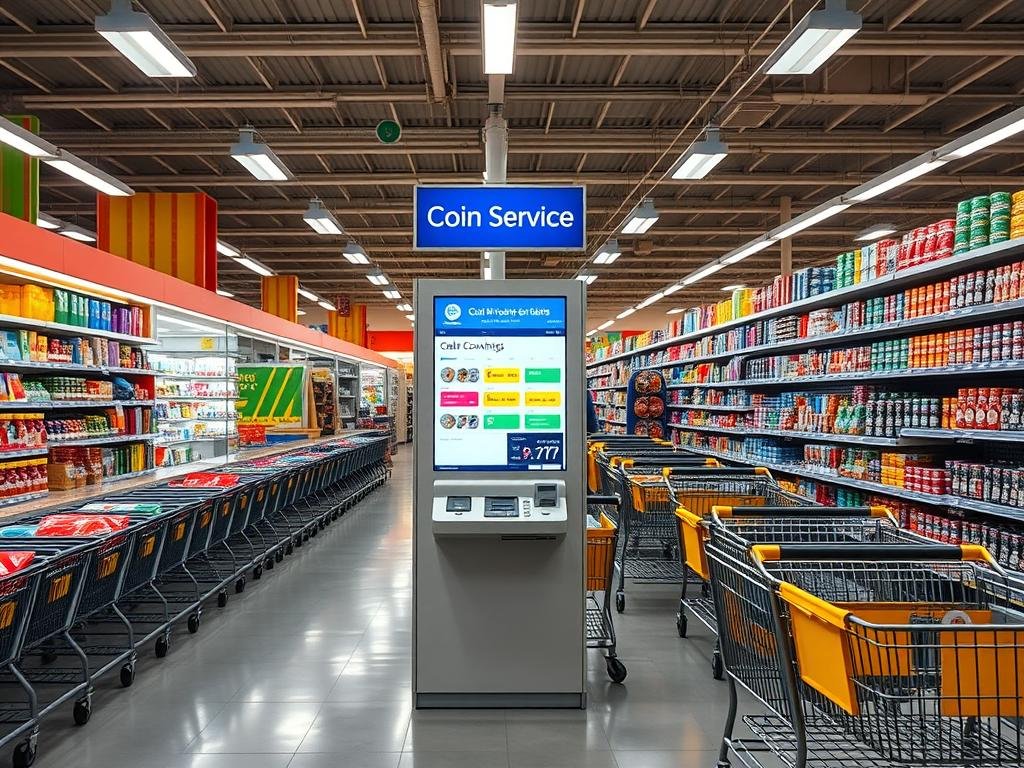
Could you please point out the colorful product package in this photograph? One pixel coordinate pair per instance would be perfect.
(72, 525)
(12, 562)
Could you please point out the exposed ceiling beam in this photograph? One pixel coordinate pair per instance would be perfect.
(891, 22)
(18, 12)
(432, 49)
(983, 13)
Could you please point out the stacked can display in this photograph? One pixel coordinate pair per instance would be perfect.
(1017, 215)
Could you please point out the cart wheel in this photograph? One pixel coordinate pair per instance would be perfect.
(82, 711)
(717, 666)
(620, 601)
(681, 623)
(279, 555)
(616, 670)
(127, 675)
(163, 645)
(298, 541)
(222, 599)
(24, 755)
(193, 623)
(257, 572)
(269, 563)
(289, 550)
(240, 585)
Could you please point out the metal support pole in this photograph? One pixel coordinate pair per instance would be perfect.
(786, 259)
(492, 263)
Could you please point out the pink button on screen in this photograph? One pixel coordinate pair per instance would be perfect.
(460, 399)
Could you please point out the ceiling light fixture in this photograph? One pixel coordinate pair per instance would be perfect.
(587, 277)
(255, 266)
(354, 253)
(998, 130)
(222, 292)
(80, 234)
(227, 250)
(499, 36)
(652, 299)
(919, 166)
(404, 307)
(23, 140)
(673, 288)
(814, 39)
(606, 324)
(377, 277)
(876, 232)
(46, 221)
(735, 287)
(320, 219)
(591, 332)
(608, 253)
(327, 305)
(308, 294)
(805, 220)
(77, 168)
(640, 219)
(746, 250)
(391, 292)
(140, 40)
(300, 312)
(700, 274)
(701, 156)
(625, 313)
(676, 311)
(410, 318)
(257, 158)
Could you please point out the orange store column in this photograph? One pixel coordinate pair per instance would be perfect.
(171, 232)
(349, 327)
(280, 296)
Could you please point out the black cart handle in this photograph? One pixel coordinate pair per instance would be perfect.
(873, 552)
(611, 501)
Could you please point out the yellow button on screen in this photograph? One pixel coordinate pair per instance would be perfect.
(502, 375)
(544, 399)
(501, 399)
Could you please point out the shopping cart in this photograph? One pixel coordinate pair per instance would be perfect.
(601, 546)
(872, 655)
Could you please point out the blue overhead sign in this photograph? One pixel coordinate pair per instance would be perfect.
(499, 218)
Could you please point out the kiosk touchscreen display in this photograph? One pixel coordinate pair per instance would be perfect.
(499, 383)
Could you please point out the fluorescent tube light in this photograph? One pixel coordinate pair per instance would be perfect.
(700, 274)
(16, 137)
(487, 273)
(640, 219)
(499, 36)
(77, 233)
(255, 266)
(308, 294)
(77, 168)
(377, 278)
(587, 277)
(607, 324)
(391, 292)
(735, 287)
(410, 318)
(875, 233)
(747, 250)
(226, 250)
(46, 221)
(591, 332)
(608, 253)
(222, 292)
(701, 156)
(806, 220)
(996, 131)
(404, 307)
(885, 182)
(676, 311)
(652, 299)
(814, 39)
(354, 253)
(257, 158)
(625, 313)
(672, 289)
(327, 305)
(140, 40)
(300, 312)
(320, 219)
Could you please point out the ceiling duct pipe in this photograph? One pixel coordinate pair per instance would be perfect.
(432, 44)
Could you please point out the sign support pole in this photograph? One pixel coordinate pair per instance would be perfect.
(492, 263)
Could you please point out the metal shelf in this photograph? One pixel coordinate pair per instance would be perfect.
(73, 330)
(880, 286)
(51, 367)
(966, 435)
(10, 502)
(81, 441)
(602, 389)
(612, 421)
(191, 377)
(191, 398)
(49, 405)
(903, 440)
(722, 408)
(200, 439)
(129, 476)
(23, 453)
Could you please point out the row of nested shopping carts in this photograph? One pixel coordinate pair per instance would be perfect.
(861, 643)
(85, 605)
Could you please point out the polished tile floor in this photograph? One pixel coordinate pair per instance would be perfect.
(310, 669)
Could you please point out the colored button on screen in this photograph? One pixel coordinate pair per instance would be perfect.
(543, 422)
(502, 375)
(501, 399)
(543, 375)
(544, 399)
(460, 399)
(501, 422)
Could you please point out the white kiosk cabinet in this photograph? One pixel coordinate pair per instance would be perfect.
(500, 495)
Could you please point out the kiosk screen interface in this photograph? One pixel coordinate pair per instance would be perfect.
(499, 383)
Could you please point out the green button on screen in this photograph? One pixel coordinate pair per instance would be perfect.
(543, 375)
(543, 422)
(503, 421)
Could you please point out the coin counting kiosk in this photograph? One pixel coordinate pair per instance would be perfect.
(499, 494)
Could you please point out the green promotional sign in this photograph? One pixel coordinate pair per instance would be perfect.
(388, 131)
(270, 394)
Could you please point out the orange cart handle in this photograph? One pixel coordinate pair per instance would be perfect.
(873, 552)
(815, 511)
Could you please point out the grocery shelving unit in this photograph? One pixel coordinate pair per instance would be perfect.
(710, 362)
(348, 394)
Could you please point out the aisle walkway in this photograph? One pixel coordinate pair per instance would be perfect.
(310, 669)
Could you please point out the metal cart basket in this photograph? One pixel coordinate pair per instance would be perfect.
(601, 545)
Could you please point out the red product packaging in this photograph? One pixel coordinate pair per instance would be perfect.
(12, 562)
(81, 525)
(206, 480)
